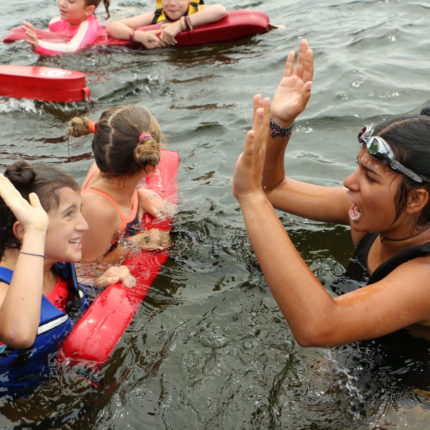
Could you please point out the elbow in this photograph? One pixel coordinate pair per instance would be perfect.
(315, 335)
(20, 340)
(110, 27)
(221, 11)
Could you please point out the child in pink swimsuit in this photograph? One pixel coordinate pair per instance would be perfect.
(77, 27)
(126, 148)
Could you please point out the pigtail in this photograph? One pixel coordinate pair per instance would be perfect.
(425, 111)
(106, 5)
(81, 127)
(147, 151)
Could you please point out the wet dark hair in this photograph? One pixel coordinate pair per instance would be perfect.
(97, 2)
(42, 179)
(409, 137)
(117, 146)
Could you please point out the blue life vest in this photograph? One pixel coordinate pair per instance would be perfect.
(22, 370)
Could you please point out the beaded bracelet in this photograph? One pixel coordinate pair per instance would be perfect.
(279, 131)
(188, 24)
(32, 254)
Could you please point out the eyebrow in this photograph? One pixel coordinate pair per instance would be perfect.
(73, 206)
(367, 168)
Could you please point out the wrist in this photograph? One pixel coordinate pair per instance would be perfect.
(34, 234)
(280, 130)
(136, 36)
(283, 122)
(251, 197)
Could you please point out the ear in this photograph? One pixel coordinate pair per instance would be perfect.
(90, 10)
(417, 200)
(18, 230)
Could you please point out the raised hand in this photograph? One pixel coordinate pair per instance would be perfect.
(249, 166)
(31, 215)
(294, 90)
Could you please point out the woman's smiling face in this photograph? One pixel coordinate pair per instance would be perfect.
(66, 228)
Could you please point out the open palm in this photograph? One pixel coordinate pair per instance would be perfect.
(294, 90)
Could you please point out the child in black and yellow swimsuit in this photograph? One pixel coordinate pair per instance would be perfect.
(177, 16)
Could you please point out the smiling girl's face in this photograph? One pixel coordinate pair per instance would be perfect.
(75, 11)
(66, 227)
(175, 8)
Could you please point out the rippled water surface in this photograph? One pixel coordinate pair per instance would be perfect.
(209, 348)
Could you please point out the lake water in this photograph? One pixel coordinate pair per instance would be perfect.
(209, 348)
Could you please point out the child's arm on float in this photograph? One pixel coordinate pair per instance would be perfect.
(150, 202)
(88, 32)
(20, 301)
(126, 29)
(205, 15)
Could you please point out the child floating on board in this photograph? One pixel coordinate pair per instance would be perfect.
(176, 16)
(126, 148)
(77, 28)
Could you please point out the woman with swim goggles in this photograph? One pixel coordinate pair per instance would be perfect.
(385, 201)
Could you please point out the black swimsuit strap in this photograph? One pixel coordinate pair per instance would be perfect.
(388, 266)
(402, 257)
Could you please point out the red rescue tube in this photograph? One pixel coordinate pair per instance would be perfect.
(236, 24)
(97, 332)
(43, 83)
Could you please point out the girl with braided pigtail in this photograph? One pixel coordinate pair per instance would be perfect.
(126, 146)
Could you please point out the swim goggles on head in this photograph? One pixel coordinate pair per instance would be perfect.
(380, 150)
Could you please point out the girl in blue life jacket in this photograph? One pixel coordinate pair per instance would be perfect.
(176, 16)
(41, 225)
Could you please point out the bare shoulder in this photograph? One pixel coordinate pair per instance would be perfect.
(98, 209)
(3, 291)
(409, 288)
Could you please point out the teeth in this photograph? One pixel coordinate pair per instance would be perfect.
(354, 213)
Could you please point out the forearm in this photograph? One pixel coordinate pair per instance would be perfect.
(208, 14)
(20, 310)
(301, 297)
(119, 30)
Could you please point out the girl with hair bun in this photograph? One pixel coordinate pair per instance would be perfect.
(126, 145)
(40, 239)
(385, 201)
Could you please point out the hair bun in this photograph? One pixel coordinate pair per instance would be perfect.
(147, 151)
(21, 174)
(425, 111)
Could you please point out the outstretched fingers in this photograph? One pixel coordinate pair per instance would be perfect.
(305, 61)
(289, 65)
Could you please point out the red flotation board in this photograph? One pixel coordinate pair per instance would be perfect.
(236, 24)
(43, 83)
(97, 332)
